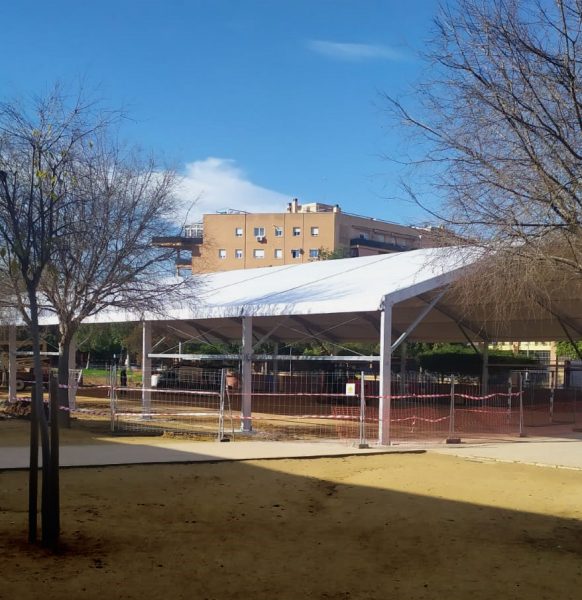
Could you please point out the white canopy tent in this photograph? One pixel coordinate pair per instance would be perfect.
(345, 299)
(384, 298)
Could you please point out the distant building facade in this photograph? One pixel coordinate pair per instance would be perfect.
(234, 239)
(544, 352)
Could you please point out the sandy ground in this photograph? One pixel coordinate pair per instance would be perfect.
(367, 527)
(15, 432)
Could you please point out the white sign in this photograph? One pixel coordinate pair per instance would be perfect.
(350, 389)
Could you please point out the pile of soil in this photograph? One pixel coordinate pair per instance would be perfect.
(20, 409)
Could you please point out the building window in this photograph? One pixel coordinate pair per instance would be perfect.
(543, 356)
(259, 232)
(259, 253)
(196, 230)
(238, 254)
(222, 254)
(238, 232)
(315, 231)
(278, 253)
(296, 253)
(296, 231)
(278, 231)
(314, 253)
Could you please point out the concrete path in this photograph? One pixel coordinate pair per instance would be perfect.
(121, 453)
(564, 452)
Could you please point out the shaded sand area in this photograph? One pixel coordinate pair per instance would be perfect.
(368, 527)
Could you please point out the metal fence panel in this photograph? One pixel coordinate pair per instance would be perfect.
(303, 405)
(192, 403)
(324, 404)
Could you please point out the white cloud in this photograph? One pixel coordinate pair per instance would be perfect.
(354, 52)
(217, 183)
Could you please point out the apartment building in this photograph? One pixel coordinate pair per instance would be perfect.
(544, 352)
(233, 239)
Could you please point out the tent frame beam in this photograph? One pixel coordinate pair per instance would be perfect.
(460, 322)
(418, 319)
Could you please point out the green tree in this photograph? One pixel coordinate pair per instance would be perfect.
(568, 350)
(449, 359)
(102, 341)
(327, 254)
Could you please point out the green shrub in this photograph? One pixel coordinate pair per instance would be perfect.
(460, 360)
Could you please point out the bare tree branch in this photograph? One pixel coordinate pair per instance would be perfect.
(499, 135)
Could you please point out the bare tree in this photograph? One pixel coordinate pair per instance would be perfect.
(77, 216)
(37, 144)
(498, 134)
(119, 203)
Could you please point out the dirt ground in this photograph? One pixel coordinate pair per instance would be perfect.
(370, 527)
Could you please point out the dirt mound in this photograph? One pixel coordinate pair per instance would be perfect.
(20, 409)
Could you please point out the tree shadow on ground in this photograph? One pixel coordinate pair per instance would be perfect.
(358, 527)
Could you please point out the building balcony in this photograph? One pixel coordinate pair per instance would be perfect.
(377, 245)
(177, 241)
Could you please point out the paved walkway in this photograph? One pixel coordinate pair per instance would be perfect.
(121, 453)
(564, 451)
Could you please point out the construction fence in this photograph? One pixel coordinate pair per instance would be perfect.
(325, 405)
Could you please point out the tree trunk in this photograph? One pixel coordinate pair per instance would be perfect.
(55, 506)
(40, 418)
(33, 469)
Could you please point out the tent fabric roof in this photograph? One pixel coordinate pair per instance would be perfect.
(341, 300)
(336, 300)
(324, 287)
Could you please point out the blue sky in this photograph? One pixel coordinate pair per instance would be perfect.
(254, 101)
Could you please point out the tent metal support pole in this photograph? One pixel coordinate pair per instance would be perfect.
(256, 331)
(467, 325)
(418, 319)
(462, 329)
(268, 335)
(403, 353)
(206, 333)
(146, 368)
(313, 332)
(384, 400)
(320, 332)
(281, 357)
(375, 324)
(192, 336)
(260, 335)
(247, 384)
(563, 319)
(197, 332)
(158, 342)
(485, 369)
(12, 363)
(275, 368)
